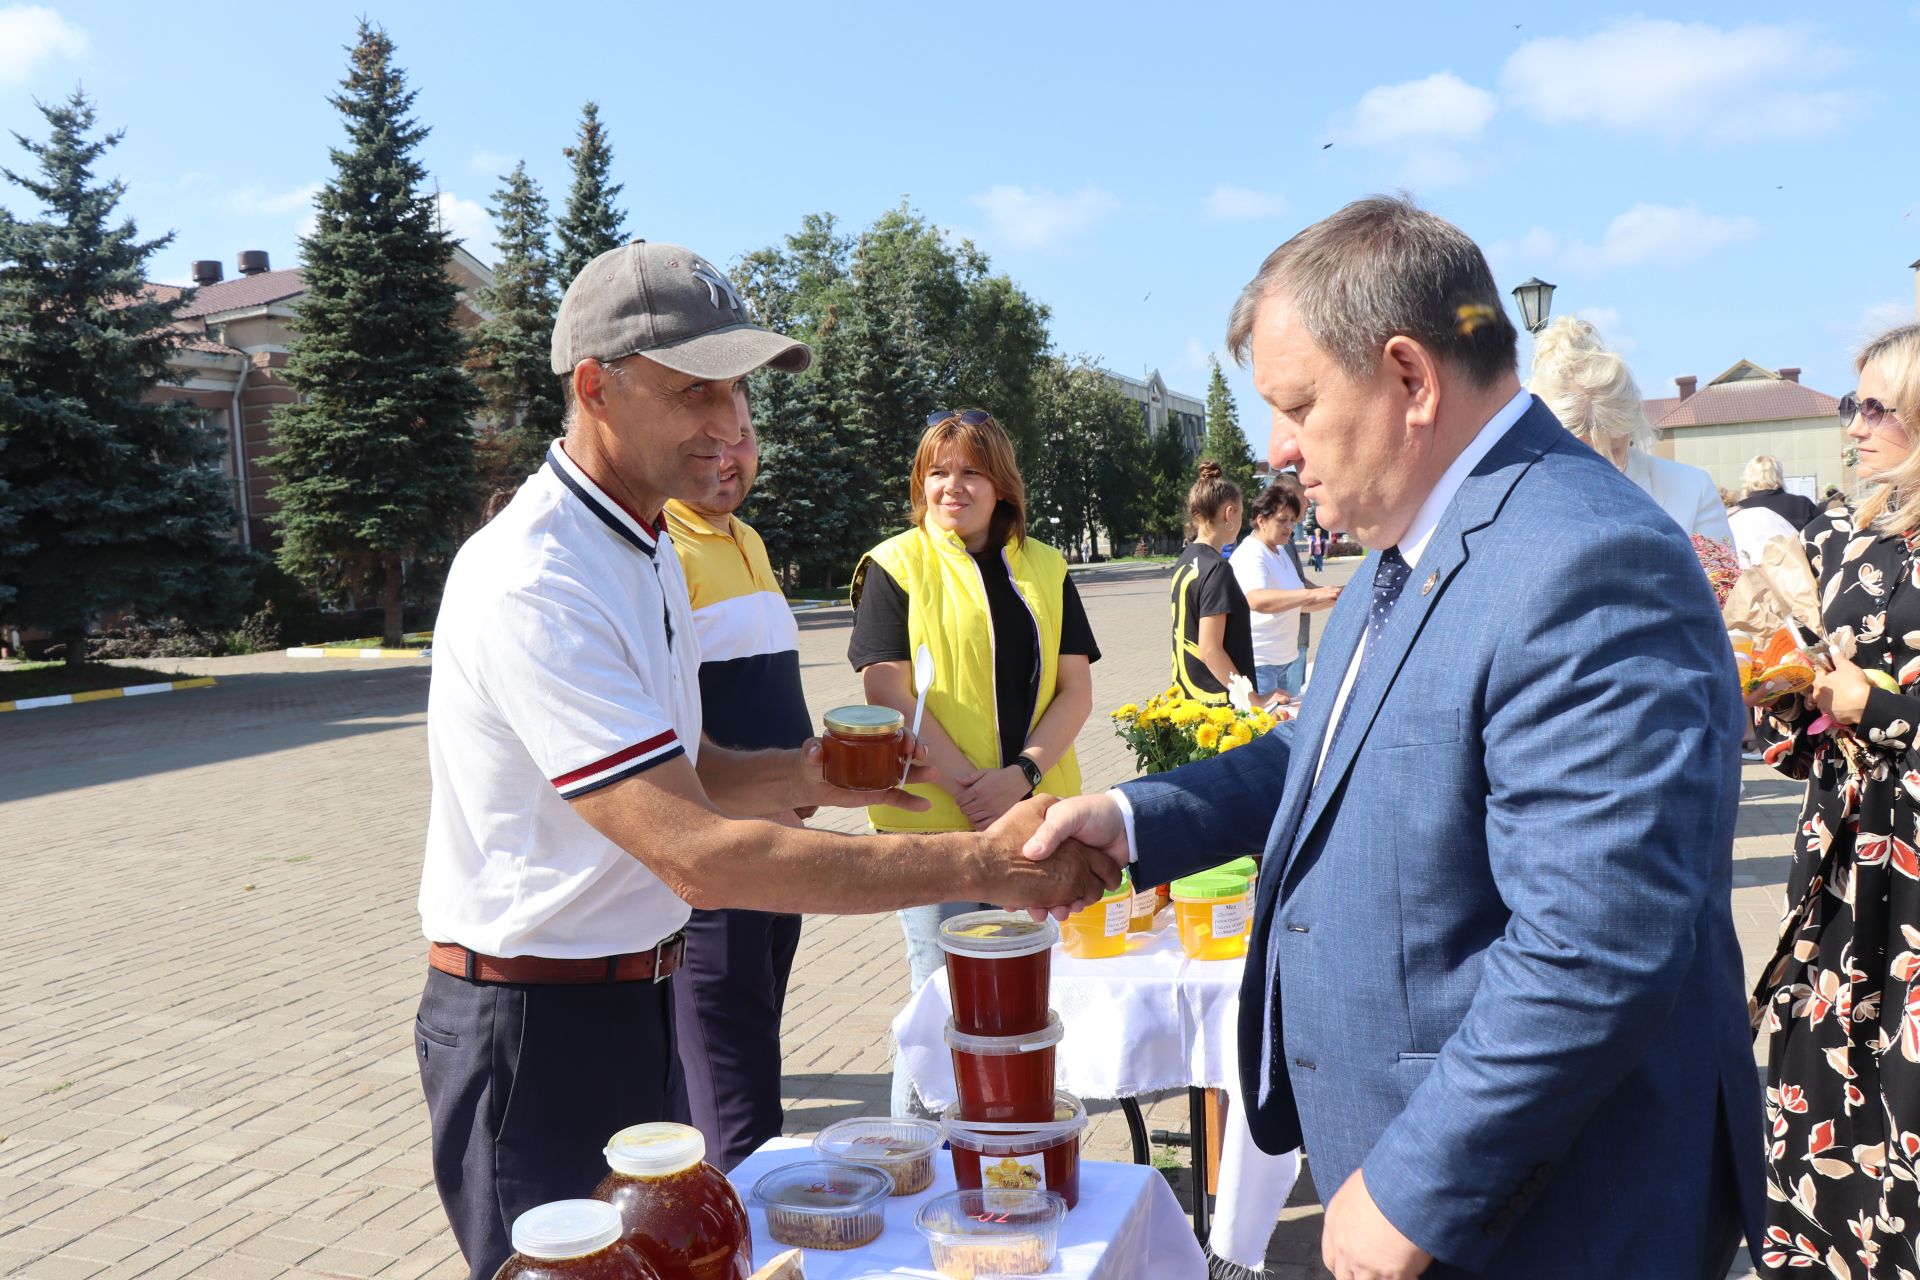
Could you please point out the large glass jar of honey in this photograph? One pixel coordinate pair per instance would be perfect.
(573, 1240)
(865, 747)
(675, 1208)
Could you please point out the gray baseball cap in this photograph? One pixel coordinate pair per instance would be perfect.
(672, 306)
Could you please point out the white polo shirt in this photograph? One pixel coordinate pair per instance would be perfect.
(564, 660)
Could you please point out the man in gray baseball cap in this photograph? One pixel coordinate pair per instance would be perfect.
(578, 807)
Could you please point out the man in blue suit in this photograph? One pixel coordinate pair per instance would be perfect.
(1493, 985)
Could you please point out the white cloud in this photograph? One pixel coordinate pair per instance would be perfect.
(1660, 235)
(468, 222)
(1230, 203)
(1035, 217)
(1442, 107)
(496, 163)
(1612, 332)
(1882, 316)
(258, 202)
(1682, 80)
(30, 35)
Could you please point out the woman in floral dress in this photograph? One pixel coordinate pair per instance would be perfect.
(1840, 1004)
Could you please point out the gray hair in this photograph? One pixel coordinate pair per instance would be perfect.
(1763, 472)
(1383, 268)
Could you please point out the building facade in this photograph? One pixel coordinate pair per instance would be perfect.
(236, 335)
(1162, 409)
(1749, 410)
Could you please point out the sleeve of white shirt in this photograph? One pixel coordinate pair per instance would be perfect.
(1125, 806)
(554, 667)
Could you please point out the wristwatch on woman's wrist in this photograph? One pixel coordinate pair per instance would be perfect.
(1030, 770)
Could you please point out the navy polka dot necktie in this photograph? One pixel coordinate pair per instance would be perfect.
(1389, 577)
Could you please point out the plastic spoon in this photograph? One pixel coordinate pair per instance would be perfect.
(922, 681)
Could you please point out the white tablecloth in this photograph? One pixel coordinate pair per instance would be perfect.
(1127, 1226)
(1145, 1022)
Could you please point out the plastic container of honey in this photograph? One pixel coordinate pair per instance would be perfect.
(1042, 1157)
(977, 1234)
(1246, 865)
(573, 1240)
(675, 1208)
(1212, 911)
(999, 964)
(864, 748)
(824, 1204)
(1005, 1078)
(1099, 931)
(901, 1145)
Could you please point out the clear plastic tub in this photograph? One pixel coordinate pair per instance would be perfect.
(1005, 1077)
(975, 1234)
(999, 964)
(1212, 911)
(901, 1145)
(1029, 1157)
(824, 1204)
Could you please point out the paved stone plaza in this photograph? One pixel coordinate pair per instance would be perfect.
(213, 958)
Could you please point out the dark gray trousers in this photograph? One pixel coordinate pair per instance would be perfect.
(524, 1086)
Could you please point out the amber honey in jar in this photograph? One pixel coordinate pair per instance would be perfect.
(573, 1240)
(677, 1210)
(865, 747)
(1212, 912)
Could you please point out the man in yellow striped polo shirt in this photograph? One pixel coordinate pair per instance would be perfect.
(730, 989)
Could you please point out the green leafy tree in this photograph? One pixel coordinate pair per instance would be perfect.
(512, 352)
(1225, 442)
(1168, 478)
(592, 223)
(112, 494)
(376, 460)
(1090, 473)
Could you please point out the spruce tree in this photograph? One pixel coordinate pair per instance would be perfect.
(111, 496)
(1225, 442)
(592, 224)
(513, 350)
(376, 460)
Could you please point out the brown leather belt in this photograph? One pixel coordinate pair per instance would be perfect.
(655, 964)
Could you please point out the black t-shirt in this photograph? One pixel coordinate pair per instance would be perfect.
(880, 635)
(1203, 585)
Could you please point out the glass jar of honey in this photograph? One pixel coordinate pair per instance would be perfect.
(1099, 931)
(1211, 910)
(864, 748)
(573, 1240)
(680, 1212)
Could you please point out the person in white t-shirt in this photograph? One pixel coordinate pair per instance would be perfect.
(1276, 593)
(578, 811)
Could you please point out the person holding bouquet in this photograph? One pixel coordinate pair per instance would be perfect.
(1212, 625)
(1838, 1003)
(1012, 651)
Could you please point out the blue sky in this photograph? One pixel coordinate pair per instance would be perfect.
(1707, 182)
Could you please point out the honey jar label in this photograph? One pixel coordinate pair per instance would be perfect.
(1119, 911)
(1230, 918)
(1145, 904)
(1013, 1173)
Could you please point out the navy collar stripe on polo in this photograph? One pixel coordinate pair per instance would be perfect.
(616, 517)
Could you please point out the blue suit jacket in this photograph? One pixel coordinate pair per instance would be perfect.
(1493, 958)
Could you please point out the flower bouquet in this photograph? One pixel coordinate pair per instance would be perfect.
(1172, 729)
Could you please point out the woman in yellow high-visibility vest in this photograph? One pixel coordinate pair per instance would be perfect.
(1011, 646)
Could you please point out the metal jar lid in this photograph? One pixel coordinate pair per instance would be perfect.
(863, 720)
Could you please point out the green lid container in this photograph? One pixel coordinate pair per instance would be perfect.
(1210, 886)
(1122, 890)
(1241, 867)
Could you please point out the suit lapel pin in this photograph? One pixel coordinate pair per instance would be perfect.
(1426, 588)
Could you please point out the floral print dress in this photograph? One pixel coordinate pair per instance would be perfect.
(1838, 1004)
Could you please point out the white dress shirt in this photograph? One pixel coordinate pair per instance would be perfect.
(1413, 543)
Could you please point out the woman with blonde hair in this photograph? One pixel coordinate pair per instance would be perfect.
(1012, 651)
(1839, 1002)
(1592, 391)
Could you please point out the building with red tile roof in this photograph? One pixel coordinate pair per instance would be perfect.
(1751, 410)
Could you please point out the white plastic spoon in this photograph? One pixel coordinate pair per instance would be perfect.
(922, 681)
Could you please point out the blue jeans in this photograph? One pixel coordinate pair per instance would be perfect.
(1289, 678)
(922, 927)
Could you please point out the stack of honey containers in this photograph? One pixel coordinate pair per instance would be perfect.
(1010, 1126)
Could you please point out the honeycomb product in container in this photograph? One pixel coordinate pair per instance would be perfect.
(1027, 1157)
(675, 1208)
(903, 1146)
(824, 1204)
(978, 1234)
(1005, 1077)
(572, 1240)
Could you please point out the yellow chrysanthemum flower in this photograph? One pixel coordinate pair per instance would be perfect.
(1222, 716)
(1262, 721)
(1128, 712)
(1241, 734)
(1207, 735)
(1185, 713)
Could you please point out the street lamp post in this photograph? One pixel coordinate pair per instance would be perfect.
(1536, 302)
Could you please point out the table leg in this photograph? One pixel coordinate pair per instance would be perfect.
(1137, 1129)
(1197, 1121)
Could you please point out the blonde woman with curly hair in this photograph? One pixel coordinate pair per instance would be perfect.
(1592, 391)
(1839, 1003)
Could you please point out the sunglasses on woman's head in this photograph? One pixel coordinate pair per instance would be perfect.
(968, 417)
(1872, 410)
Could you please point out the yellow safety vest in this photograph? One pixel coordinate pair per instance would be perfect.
(947, 611)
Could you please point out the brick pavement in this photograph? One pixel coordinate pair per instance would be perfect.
(205, 1066)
